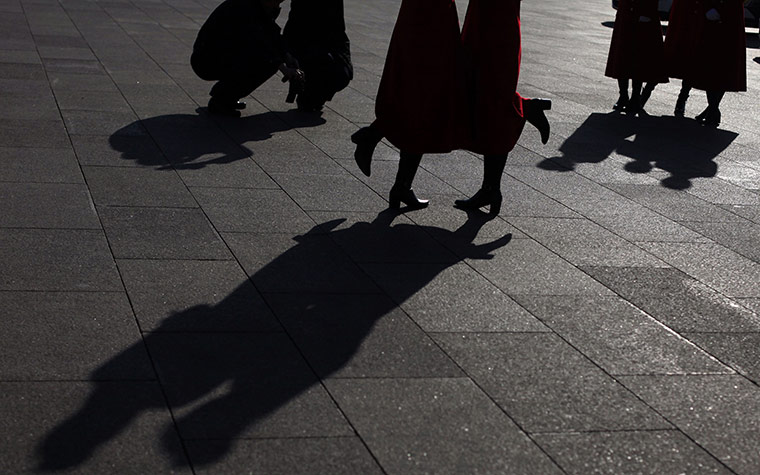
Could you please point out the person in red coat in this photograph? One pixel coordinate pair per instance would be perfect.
(421, 99)
(705, 47)
(492, 42)
(636, 53)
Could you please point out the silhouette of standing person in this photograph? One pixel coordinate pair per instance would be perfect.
(240, 47)
(492, 42)
(315, 35)
(420, 103)
(705, 47)
(637, 53)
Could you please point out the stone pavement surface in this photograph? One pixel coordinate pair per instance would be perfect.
(185, 293)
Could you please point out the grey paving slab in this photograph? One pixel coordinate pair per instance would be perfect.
(43, 333)
(84, 122)
(87, 100)
(677, 300)
(118, 151)
(252, 210)
(664, 451)
(741, 237)
(75, 81)
(751, 213)
(546, 385)
(435, 425)
(359, 336)
(39, 107)
(78, 66)
(228, 386)
(161, 233)
(620, 338)
(720, 413)
(334, 455)
(675, 204)
(33, 133)
(21, 70)
(329, 192)
(583, 242)
(121, 186)
(39, 165)
(713, 264)
(451, 299)
(194, 296)
(384, 173)
(226, 172)
(56, 260)
(741, 351)
(525, 267)
(307, 263)
(81, 427)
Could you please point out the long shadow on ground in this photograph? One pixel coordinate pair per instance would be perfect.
(682, 147)
(190, 141)
(223, 385)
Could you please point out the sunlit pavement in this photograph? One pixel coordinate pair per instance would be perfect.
(182, 292)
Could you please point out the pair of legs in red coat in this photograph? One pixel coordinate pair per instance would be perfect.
(443, 90)
(705, 47)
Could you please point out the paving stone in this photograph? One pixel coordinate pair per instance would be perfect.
(21, 70)
(228, 386)
(741, 351)
(79, 122)
(81, 427)
(252, 210)
(306, 263)
(352, 336)
(674, 204)
(56, 260)
(546, 385)
(583, 242)
(751, 213)
(194, 296)
(335, 455)
(118, 151)
(718, 412)
(677, 300)
(435, 425)
(39, 165)
(40, 107)
(666, 451)
(78, 66)
(43, 333)
(620, 338)
(713, 264)
(740, 237)
(329, 193)
(451, 298)
(226, 171)
(72, 81)
(33, 133)
(525, 267)
(119, 186)
(87, 100)
(161, 233)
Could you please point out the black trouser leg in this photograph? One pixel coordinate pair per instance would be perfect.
(622, 101)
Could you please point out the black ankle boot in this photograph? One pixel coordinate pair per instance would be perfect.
(533, 109)
(621, 103)
(366, 139)
(484, 197)
(400, 194)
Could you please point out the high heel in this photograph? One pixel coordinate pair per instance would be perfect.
(621, 103)
(709, 117)
(399, 195)
(484, 197)
(533, 110)
(366, 139)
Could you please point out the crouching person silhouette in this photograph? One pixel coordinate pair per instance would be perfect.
(240, 47)
(316, 35)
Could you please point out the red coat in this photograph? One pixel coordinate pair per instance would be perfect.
(709, 55)
(491, 38)
(636, 49)
(421, 102)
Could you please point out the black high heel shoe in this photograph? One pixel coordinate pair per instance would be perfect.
(621, 103)
(366, 139)
(709, 117)
(484, 197)
(534, 114)
(406, 196)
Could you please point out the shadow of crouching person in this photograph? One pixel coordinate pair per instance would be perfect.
(223, 385)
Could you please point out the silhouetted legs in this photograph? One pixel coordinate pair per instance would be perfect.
(490, 192)
(533, 111)
(646, 93)
(629, 104)
(366, 139)
(683, 96)
(402, 188)
(711, 116)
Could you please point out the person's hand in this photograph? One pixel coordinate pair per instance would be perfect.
(291, 74)
(644, 19)
(713, 15)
